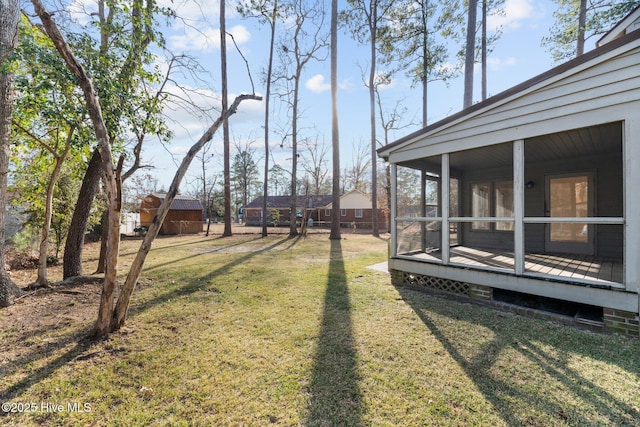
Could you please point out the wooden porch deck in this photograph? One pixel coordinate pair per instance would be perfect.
(568, 266)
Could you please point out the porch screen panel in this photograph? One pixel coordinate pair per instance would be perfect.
(569, 197)
(480, 204)
(408, 192)
(431, 197)
(504, 204)
(418, 238)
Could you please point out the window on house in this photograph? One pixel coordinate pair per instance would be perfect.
(343, 212)
(480, 205)
(504, 204)
(358, 213)
(327, 212)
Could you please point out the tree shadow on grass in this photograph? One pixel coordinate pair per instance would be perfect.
(226, 247)
(196, 284)
(548, 352)
(335, 397)
(84, 347)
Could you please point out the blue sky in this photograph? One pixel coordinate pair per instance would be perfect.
(517, 56)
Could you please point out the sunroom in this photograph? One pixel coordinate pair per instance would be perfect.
(533, 191)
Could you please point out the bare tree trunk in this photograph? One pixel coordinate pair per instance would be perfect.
(372, 118)
(225, 124)
(267, 100)
(293, 210)
(9, 22)
(111, 186)
(582, 21)
(470, 51)
(335, 131)
(425, 62)
(122, 306)
(484, 50)
(72, 258)
(104, 239)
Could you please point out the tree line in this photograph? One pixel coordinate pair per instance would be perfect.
(82, 96)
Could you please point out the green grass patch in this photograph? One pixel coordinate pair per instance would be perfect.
(273, 331)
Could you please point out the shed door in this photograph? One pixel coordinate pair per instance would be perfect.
(570, 196)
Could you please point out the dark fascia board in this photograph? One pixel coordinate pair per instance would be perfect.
(560, 69)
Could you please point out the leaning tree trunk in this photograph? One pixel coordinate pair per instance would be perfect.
(111, 185)
(122, 306)
(9, 21)
(72, 258)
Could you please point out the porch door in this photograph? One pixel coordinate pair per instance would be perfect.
(570, 196)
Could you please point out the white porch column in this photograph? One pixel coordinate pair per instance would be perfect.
(518, 205)
(423, 209)
(444, 184)
(394, 210)
(631, 151)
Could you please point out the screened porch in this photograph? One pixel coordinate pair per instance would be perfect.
(548, 207)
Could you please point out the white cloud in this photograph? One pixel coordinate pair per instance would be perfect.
(240, 34)
(515, 12)
(192, 39)
(499, 64)
(317, 84)
(207, 39)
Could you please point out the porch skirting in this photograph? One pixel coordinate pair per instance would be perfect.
(613, 320)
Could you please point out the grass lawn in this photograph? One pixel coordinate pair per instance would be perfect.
(270, 331)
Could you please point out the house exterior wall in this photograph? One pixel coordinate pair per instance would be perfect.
(355, 200)
(363, 222)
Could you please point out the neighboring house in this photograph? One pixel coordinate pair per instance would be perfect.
(539, 201)
(184, 216)
(355, 208)
(279, 208)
